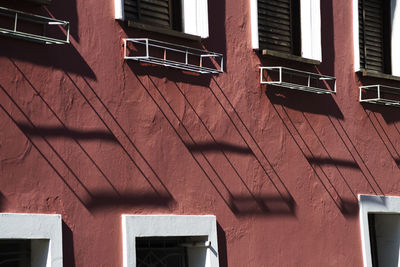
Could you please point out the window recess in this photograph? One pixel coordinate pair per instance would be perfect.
(376, 25)
(298, 80)
(184, 16)
(380, 94)
(287, 27)
(171, 55)
(40, 2)
(33, 27)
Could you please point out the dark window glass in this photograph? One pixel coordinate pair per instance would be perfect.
(15, 253)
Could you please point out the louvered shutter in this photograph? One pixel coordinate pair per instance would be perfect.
(371, 35)
(150, 12)
(275, 29)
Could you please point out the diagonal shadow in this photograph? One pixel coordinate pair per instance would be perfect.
(223, 150)
(241, 122)
(361, 161)
(146, 177)
(218, 146)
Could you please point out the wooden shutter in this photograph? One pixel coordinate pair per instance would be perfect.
(374, 45)
(278, 25)
(150, 12)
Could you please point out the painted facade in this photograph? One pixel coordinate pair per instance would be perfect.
(90, 136)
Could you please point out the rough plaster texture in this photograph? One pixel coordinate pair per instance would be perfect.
(89, 136)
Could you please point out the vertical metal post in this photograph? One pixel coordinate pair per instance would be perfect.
(125, 48)
(280, 74)
(186, 56)
(222, 64)
(201, 61)
(360, 93)
(379, 92)
(309, 80)
(147, 48)
(15, 22)
(68, 32)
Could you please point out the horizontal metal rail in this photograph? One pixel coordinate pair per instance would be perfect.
(380, 91)
(16, 32)
(283, 72)
(150, 46)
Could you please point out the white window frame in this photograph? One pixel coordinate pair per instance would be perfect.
(194, 16)
(395, 36)
(310, 16)
(377, 205)
(36, 227)
(168, 225)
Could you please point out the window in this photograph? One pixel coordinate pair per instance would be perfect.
(30, 240)
(169, 240)
(380, 230)
(187, 16)
(376, 25)
(287, 27)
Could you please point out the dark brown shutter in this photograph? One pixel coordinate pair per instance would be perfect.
(279, 25)
(150, 12)
(374, 33)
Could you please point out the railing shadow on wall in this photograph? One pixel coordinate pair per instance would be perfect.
(205, 163)
(89, 199)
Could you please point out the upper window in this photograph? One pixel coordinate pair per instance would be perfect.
(187, 16)
(30, 240)
(169, 240)
(376, 32)
(291, 27)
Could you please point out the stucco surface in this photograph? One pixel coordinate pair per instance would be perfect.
(89, 136)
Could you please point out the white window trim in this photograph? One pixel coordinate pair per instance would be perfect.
(168, 225)
(395, 38)
(310, 14)
(35, 226)
(374, 204)
(194, 16)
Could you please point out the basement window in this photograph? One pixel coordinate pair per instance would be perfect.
(380, 230)
(287, 28)
(376, 30)
(30, 240)
(169, 240)
(165, 16)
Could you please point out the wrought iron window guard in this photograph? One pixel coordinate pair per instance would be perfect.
(380, 94)
(172, 55)
(298, 80)
(19, 17)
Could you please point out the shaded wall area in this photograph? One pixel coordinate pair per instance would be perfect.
(90, 136)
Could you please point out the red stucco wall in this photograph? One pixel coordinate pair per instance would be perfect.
(89, 136)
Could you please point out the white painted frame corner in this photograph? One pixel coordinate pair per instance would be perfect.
(356, 33)
(374, 204)
(34, 227)
(395, 38)
(168, 225)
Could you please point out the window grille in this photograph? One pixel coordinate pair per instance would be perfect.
(161, 252)
(39, 29)
(15, 253)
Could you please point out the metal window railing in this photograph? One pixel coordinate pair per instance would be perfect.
(380, 94)
(172, 55)
(298, 80)
(17, 18)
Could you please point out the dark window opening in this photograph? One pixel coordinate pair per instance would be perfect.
(161, 252)
(15, 253)
(279, 26)
(374, 35)
(159, 13)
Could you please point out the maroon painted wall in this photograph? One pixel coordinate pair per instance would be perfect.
(89, 136)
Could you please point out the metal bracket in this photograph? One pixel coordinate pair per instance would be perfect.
(298, 80)
(16, 16)
(378, 94)
(172, 55)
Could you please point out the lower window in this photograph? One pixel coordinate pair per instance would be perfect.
(169, 241)
(30, 240)
(380, 230)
